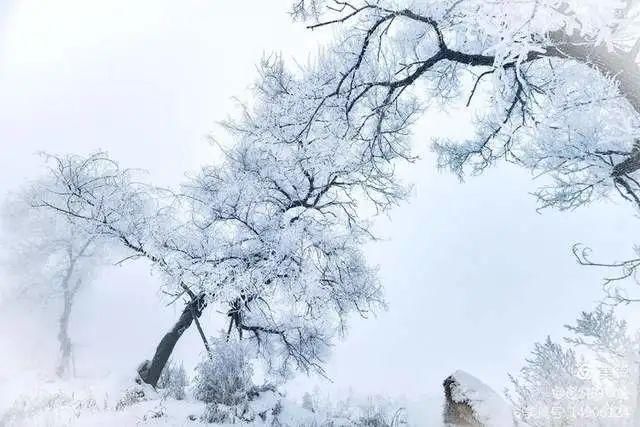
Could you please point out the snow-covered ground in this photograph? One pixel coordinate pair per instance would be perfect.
(36, 401)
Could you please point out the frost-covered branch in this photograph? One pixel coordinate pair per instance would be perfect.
(571, 67)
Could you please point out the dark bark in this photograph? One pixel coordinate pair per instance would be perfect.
(627, 166)
(150, 371)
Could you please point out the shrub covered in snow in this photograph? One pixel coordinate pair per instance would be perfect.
(264, 407)
(224, 382)
(225, 376)
(173, 381)
(374, 411)
(135, 394)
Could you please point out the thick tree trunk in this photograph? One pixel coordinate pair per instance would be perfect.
(628, 165)
(150, 371)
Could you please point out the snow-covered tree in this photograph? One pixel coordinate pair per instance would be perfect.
(592, 380)
(50, 261)
(272, 234)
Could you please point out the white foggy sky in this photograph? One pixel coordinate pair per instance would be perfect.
(473, 275)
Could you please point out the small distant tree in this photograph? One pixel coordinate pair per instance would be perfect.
(51, 261)
(591, 380)
(308, 402)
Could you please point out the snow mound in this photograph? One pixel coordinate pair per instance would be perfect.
(477, 403)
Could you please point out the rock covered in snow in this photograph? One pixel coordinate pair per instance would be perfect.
(470, 402)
